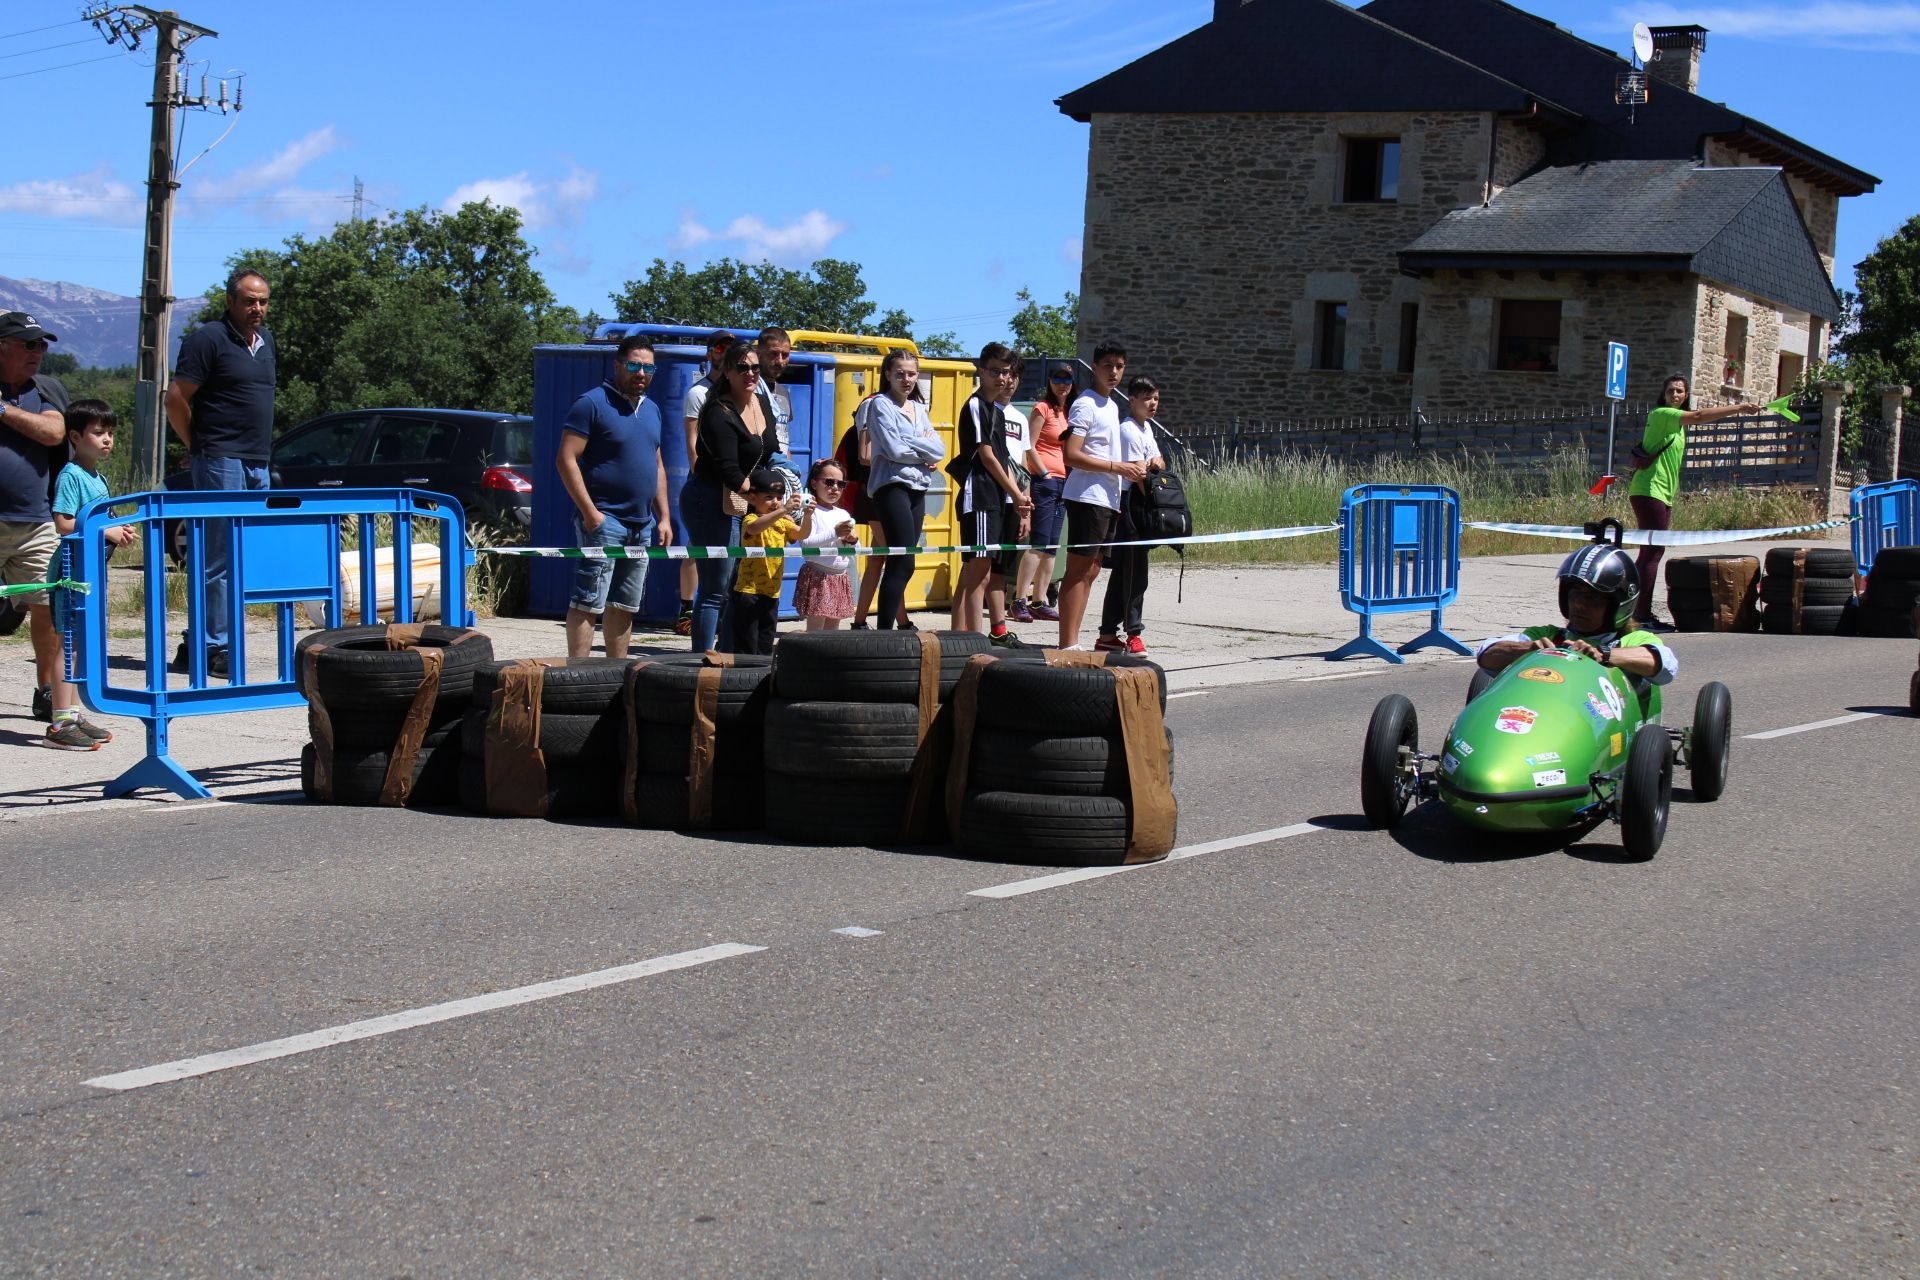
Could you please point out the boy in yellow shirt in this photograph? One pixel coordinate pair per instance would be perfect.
(756, 585)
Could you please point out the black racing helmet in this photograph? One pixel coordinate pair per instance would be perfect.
(1608, 569)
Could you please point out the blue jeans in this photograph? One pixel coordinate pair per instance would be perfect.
(706, 525)
(221, 473)
(599, 585)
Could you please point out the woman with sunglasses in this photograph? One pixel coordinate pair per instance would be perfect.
(907, 453)
(823, 591)
(735, 435)
(1047, 425)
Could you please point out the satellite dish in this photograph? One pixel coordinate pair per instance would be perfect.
(1642, 42)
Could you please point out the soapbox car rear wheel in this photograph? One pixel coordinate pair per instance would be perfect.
(1478, 685)
(1646, 792)
(1385, 784)
(1708, 744)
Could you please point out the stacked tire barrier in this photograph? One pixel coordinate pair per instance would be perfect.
(1067, 763)
(384, 705)
(545, 738)
(1714, 593)
(1806, 590)
(851, 720)
(696, 728)
(1892, 593)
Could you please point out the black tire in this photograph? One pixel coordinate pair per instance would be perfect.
(737, 751)
(1913, 693)
(359, 774)
(1890, 593)
(738, 804)
(368, 689)
(572, 791)
(1481, 679)
(663, 692)
(865, 666)
(1816, 591)
(1886, 623)
(564, 739)
(1688, 620)
(835, 811)
(1710, 742)
(1822, 562)
(1695, 573)
(841, 739)
(1646, 792)
(1394, 724)
(1897, 562)
(1010, 826)
(1069, 701)
(584, 687)
(1039, 764)
(1815, 620)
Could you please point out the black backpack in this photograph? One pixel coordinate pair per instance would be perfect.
(1157, 508)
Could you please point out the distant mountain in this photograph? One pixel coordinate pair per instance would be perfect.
(97, 328)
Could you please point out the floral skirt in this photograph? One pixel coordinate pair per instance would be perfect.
(818, 594)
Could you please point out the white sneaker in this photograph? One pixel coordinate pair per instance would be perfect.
(1072, 648)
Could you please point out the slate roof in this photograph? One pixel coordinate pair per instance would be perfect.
(1300, 56)
(1739, 226)
(1519, 46)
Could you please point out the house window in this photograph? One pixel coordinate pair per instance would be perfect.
(1787, 377)
(1735, 373)
(1409, 334)
(1330, 335)
(1529, 340)
(1373, 171)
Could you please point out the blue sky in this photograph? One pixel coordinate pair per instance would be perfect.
(919, 140)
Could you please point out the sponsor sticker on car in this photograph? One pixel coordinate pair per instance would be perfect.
(1463, 747)
(1601, 712)
(1550, 778)
(1448, 764)
(1545, 757)
(1619, 743)
(1516, 719)
(1545, 675)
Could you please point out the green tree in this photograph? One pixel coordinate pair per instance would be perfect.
(829, 296)
(1043, 330)
(1881, 332)
(428, 308)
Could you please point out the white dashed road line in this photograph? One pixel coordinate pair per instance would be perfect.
(186, 1068)
(1191, 693)
(855, 931)
(1016, 888)
(1817, 724)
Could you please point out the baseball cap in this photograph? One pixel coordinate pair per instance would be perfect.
(18, 324)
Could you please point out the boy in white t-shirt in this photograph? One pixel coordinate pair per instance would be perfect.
(1097, 470)
(1127, 565)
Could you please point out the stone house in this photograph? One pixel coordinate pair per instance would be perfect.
(1303, 210)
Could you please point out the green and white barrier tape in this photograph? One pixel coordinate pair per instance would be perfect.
(1659, 537)
(809, 553)
(29, 588)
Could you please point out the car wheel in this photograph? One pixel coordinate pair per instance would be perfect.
(176, 536)
(1712, 737)
(1646, 793)
(1395, 724)
(1478, 685)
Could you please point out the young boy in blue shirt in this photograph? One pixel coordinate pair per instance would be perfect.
(90, 427)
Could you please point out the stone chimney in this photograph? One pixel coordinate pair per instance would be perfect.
(1676, 56)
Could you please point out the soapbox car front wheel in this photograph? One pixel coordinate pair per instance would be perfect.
(1387, 783)
(1708, 744)
(1646, 792)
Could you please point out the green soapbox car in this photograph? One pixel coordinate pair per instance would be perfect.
(1556, 742)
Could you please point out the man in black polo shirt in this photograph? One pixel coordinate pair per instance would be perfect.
(33, 448)
(220, 404)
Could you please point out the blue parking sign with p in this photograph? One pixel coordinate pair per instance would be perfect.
(1616, 371)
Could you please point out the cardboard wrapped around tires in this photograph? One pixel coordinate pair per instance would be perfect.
(397, 787)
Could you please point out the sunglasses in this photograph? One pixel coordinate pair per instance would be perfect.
(634, 366)
(831, 484)
(751, 370)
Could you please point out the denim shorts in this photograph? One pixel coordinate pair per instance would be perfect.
(1049, 510)
(599, 585)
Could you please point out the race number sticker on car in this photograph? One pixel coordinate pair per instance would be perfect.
(1516, 719)
(1545, 675)
(1448, 764)
(1615, 703)
(1550, 778)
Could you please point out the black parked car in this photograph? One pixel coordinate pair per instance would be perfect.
(483, 460)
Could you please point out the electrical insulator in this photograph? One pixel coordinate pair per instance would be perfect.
(223, 95)
(238, 87)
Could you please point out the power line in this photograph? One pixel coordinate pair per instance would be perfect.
(45, 48)
(61, 67)
(15, 35)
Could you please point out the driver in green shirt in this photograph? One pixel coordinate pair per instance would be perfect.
(1599, 586)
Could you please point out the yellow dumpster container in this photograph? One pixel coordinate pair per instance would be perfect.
(946, 384)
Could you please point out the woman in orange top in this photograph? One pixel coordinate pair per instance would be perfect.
(1049, 424)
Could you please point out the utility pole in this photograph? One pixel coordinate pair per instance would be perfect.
(359, 198)
(172, 36)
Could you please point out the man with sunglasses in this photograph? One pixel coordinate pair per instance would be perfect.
(610, 465)
(33, 443)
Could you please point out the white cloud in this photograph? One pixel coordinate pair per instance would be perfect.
(91, 197)
(1070, 251)
(268, 187)
(795, 244)
(541, 204)
(1888, 28)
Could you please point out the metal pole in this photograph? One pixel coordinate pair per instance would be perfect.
(150, 437)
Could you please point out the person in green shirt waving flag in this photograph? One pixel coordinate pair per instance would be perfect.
(1656, 480)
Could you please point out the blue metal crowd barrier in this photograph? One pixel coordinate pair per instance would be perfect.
(1884, 515)
(1399, 553)
(285, 548)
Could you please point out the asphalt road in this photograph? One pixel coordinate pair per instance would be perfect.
(1340, 1052)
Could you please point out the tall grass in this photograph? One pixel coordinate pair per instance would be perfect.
(1276, 492)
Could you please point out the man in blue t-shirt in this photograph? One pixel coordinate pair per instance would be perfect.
(609, 463)
(220, 404)
(33, 440)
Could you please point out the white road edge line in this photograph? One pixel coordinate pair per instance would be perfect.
(1344, 675)
(1055, 881)
(1191, 693)
(1817, 724)
(206, 1064)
